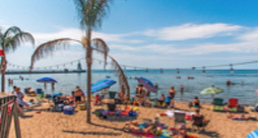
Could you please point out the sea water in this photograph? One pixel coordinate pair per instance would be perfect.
(67, 82)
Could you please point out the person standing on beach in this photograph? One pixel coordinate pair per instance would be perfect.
(172, 93)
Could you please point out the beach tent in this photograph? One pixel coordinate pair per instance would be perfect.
(102, 84)
(211, 91)
(146, 83)
(46, 80)
(253, 134)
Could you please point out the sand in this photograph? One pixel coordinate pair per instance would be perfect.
(57, 125)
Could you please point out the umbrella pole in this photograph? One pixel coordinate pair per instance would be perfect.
(212, 96)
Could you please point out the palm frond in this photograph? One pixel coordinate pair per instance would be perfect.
(11, 43)
(91, 12)
(49, 47)
(101, 47)
(12, 31)
(121, 75)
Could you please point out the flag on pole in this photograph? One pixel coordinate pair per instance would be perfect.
(10, 106)
(2, 54)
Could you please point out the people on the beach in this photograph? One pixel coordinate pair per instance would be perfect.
(145, 127)
(78, 95)
(156, 86)
(140, 94)
(172, 93)
(161, 100)
(14, 90)
(195, 103)
(182, 132)
(237, 116)
(228, 82)
(181, 90)
(198, 114)
(19, 94)
(53, 86)
(31, 91)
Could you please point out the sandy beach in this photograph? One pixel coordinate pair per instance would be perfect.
(56, 125)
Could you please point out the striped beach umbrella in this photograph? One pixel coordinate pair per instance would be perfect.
(253, 134)
(211, 91)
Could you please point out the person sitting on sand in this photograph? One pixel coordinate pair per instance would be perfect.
(195, 103)
(161, 100)
(182, 132)
(198, 114)
(145, 127)
(127, 100)
(31, 91)
(237, 116)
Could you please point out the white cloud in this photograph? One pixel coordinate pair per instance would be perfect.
(247, 42)
(193, 31)
(77, 34)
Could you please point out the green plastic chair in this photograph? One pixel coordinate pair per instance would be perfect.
(218, 102)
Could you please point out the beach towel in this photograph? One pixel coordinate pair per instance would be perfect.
(240, 119)
(170, 113)
(143, 134)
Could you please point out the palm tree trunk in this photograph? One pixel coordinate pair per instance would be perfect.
(89, 94)
(89, 64)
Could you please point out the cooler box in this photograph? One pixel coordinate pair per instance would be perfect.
(69, 110)
(39, 91)
(58, 108)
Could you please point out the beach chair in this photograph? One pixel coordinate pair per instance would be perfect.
(218, 102)
(198, 122)
(233, 103)
(179, 118)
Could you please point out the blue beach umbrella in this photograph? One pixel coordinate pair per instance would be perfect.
(56, 94)
(147, 84)
(46, 80)
(102, 84)
(253, 134)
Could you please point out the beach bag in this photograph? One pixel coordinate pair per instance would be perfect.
(168, 100)
(82, 106)
(69, 110)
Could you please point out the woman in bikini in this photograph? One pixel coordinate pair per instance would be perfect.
(172, 93)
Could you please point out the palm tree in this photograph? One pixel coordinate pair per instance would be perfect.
(96, 44)
(10, 40)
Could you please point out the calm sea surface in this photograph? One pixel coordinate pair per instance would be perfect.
(245, 93)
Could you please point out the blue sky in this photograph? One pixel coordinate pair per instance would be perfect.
(146, 33)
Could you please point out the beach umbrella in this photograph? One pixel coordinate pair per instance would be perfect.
(211, 91)
(253, 134)
(102, 84)
(256, 91)
(147, 84)
(46, 80)
(56, 94)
